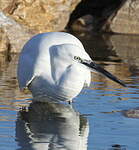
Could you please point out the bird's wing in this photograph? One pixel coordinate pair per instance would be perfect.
(25, 71)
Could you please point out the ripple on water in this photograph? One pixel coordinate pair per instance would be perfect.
(7, 128)
(8, 116)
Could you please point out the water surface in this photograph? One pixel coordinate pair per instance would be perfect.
(94, 122)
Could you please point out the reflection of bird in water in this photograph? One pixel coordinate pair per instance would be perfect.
(51, 126)
(55, 65)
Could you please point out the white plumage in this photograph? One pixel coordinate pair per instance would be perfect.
(47, 66)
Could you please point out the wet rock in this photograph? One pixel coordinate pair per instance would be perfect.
(126, 20)
(40, 15)
(4, 42)
(132, 113)
(9, 85)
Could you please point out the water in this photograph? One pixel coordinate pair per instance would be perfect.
(95, 121)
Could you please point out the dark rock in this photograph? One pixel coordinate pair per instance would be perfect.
(100, 11)
(120, 16)
(132, 113)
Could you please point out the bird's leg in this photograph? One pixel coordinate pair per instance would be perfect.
(70, 101)
(23, 109)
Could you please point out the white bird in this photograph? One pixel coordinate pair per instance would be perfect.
(56, 65)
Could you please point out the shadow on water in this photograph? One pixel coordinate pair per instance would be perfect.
(111, 47)
(51, 126)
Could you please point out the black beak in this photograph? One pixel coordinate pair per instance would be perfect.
(99, 69)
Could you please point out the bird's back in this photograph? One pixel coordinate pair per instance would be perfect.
(35, 54)
(35, 67)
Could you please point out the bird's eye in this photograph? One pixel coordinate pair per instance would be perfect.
(77, 58)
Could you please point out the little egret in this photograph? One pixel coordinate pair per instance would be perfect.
(56, 65)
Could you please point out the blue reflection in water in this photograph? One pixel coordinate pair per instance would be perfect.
(108, 127)
(7, 129)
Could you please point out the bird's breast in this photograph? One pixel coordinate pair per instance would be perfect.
(66, 87)
(72, 81)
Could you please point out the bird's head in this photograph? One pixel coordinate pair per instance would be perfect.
(70, 53)
(95, 67)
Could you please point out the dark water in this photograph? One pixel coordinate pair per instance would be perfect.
(98, 119)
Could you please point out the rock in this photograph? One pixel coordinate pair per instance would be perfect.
(4, 42)
(132, 113)
(13, 35)
(120, 16)
(40, 15)
(84, 23)
(100, 10)
(127, 18)
(20, 19)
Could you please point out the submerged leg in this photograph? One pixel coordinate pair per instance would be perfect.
(70, 101)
